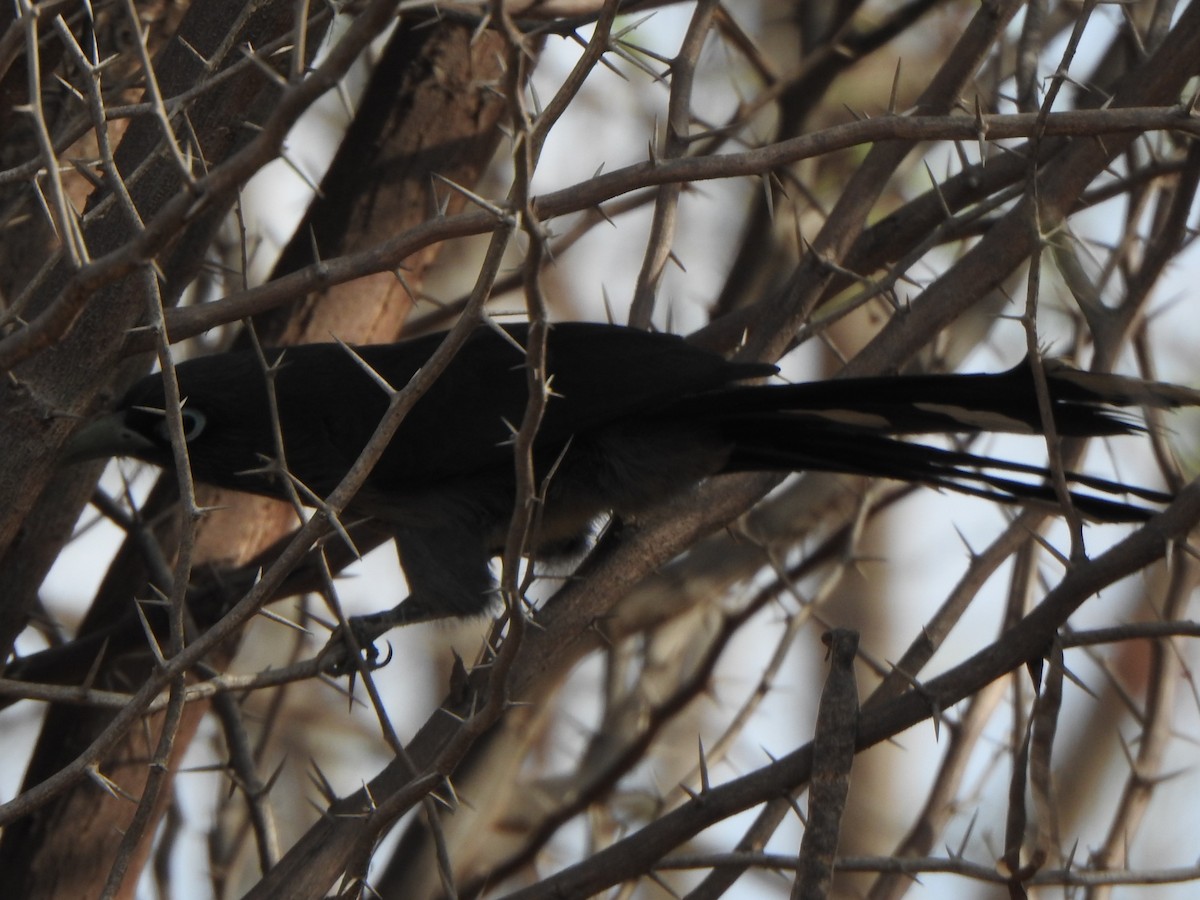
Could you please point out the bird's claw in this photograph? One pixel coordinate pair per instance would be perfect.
(339, 652)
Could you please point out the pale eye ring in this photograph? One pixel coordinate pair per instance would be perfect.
(193, 423)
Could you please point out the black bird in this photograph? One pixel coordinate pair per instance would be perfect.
(634, 418)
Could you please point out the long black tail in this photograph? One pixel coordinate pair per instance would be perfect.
(846, 426)
(1085, 404)
(792, 448)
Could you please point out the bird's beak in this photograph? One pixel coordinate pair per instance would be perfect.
(107, 436)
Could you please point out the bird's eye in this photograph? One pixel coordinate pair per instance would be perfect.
(193, 424)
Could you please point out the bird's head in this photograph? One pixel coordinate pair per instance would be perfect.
(226, 421)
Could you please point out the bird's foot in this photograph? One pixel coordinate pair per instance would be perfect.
(338, 654)
(358, 637)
